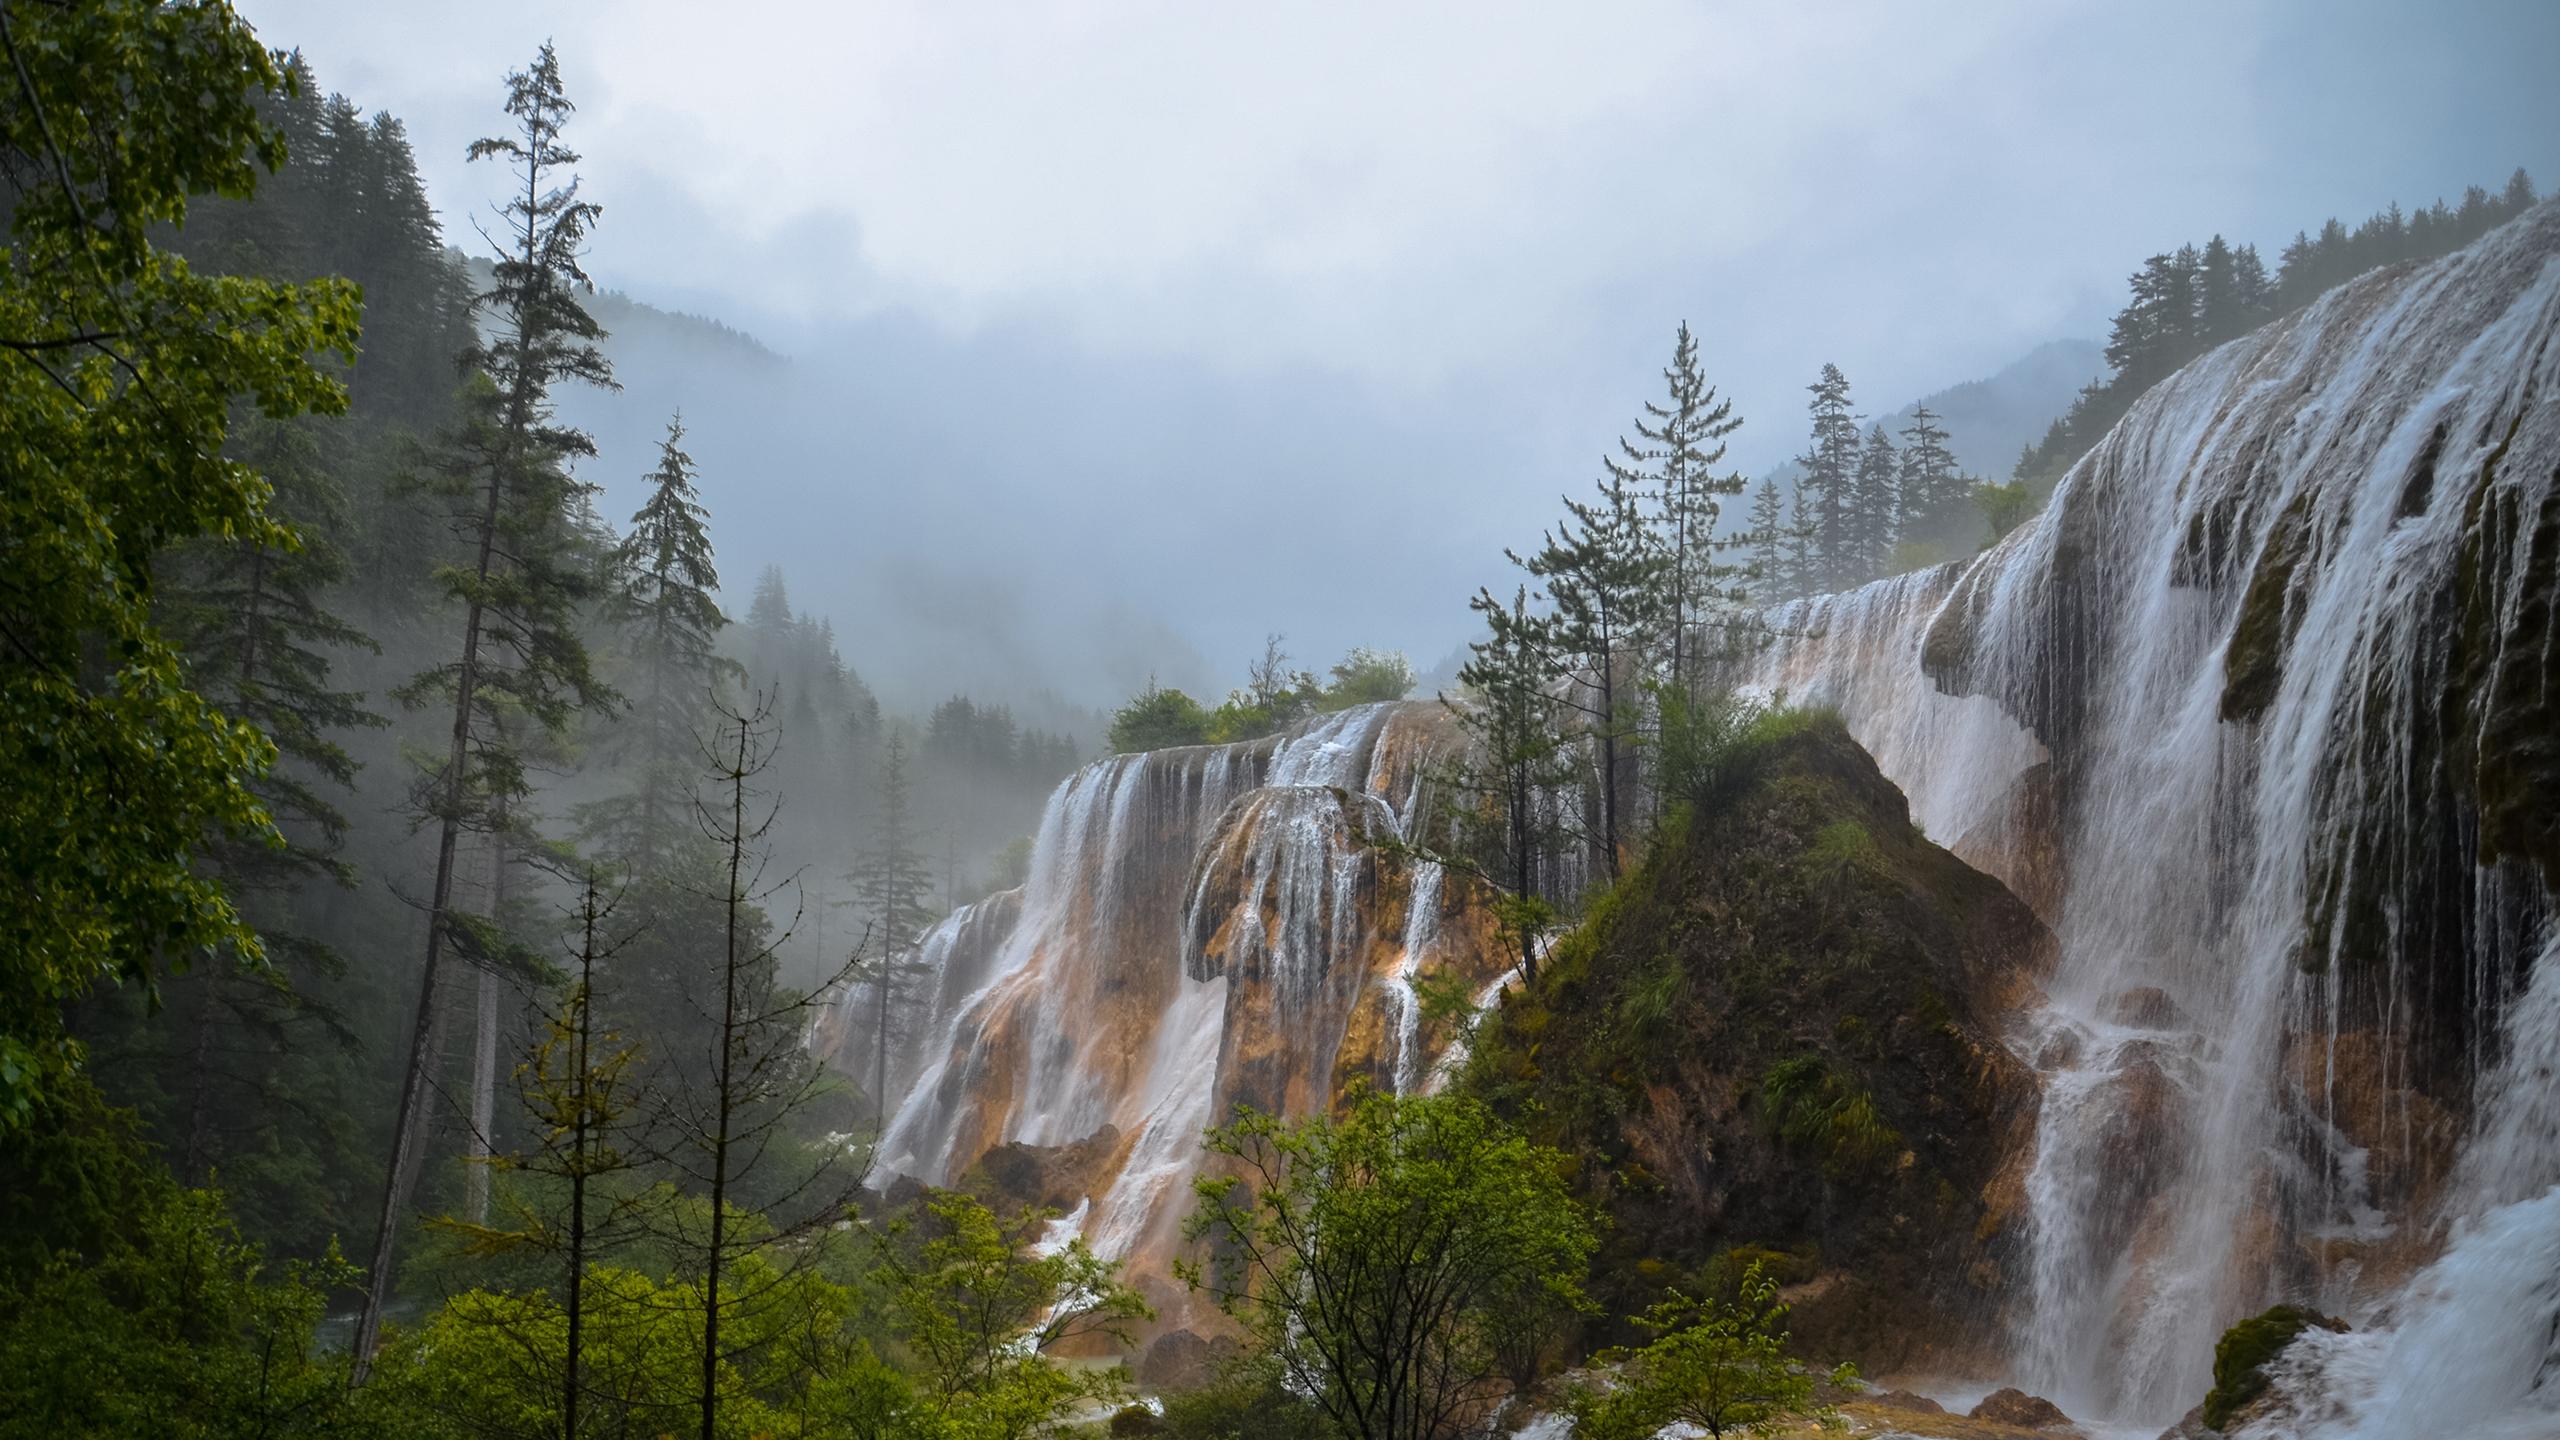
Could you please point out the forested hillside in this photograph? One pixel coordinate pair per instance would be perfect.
(459, 810)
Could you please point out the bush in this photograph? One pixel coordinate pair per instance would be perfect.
(1713, 744)
(1156, 719)
(1366, 677)
(1248, 1402)
(1816, 1107)
(183, 1331)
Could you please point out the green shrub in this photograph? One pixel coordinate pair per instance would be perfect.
(1367, 676)
(1247, 1402)
(1839, 852)
(1156, 719)
(1816, 1107)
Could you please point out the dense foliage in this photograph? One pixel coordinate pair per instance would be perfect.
(1405, 1265)
(1720, 1366)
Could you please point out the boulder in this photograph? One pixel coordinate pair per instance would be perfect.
(2191, 1426)
(2012, 1406)
(2240, 1359)
(1907, 1400)
(1183, 1360)
(2147, 1007)
(1015, 1175)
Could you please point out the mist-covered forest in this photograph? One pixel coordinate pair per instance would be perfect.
(555, 888)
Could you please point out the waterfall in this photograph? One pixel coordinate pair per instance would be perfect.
(1421, 929)
(2233, 713)
(1200, 927)
(2472, 1347)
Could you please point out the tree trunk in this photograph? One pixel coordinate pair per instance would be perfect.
(724, 1099)
(426, 1031)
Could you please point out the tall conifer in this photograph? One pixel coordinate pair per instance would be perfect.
(1877, 514)
(1771, 581)
(1830, 481)
(665, 605)
(1672, 459)
(1603, 575)
(522, 581)
(894, 887)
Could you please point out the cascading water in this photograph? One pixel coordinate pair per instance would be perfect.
(2472, 1346)
(1421, 929)
(1201, 927)
(2257, 713)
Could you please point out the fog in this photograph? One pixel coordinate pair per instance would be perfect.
(1107, 339)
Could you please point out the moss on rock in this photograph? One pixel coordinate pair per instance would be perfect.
(2253, 663)
(1777, 1035)
(2240, 1357)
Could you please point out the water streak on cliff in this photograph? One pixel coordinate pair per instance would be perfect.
(1202, 927)
(2257, 712)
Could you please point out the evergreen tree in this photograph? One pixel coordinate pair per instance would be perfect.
(663, 599)
(1672, 459)
(893, 886)
(1830, 481)
(2519, 195)
(520, 590)
(1771, 580)
(583, 1097)
(254, 623)
(1804, 529)
(1936, 498)
(1877, 514)
(2252, 294)
(1603, 575)
(764, 1193)
(1515, 764)
(771, 628)
(2218, 292)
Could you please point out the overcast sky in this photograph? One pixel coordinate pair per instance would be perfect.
(1197, 320)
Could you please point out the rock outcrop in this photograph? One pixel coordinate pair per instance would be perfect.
(1776, 1042)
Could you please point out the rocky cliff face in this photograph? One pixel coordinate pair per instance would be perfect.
(2260, 714)
(1779, 1038)
(1203, 928)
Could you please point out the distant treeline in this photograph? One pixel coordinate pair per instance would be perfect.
(2188, 300)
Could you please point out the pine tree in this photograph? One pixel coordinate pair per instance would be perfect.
(1877, 514)
(257, 632)
(1803, 533)
(1830, 480)
(2218, 292)
(1516, 764)
(771, 629)
(584, 1100)
(663, 602)
(2252, 296)
(1603, 575)
(893, 886)
(520, 652)
(1771, 580)
(1672, 461)
(1937, 498)
(730, 1130)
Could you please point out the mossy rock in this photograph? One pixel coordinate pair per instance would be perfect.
(2507, 690)
(1778, 1034)
(2253, 663)
(2240, 1357)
